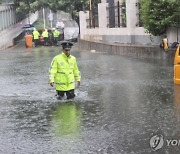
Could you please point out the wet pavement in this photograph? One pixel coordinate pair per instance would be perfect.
(121, 104)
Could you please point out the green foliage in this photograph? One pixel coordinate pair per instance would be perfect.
(29, 5)
(71, 6)
(39, 24)
(158, 15)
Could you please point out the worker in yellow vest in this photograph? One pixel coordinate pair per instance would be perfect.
(45, 35)
(64, 71)
(36, 37)
(56, 34)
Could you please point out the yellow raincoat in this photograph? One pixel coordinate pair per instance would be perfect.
(64, 71)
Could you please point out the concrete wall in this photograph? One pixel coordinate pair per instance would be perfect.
(121, 35)
(173, 35)
(140, 51)
(12, 32)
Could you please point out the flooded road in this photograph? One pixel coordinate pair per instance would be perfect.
(122, 103)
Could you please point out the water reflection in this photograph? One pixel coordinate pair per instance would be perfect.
(66, 119)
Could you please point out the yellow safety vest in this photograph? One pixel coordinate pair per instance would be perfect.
(36, 34)
(65, 71)
(56, 33)
(45, 34)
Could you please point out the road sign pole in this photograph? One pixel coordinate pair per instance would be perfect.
(51, 20)
(44, 18)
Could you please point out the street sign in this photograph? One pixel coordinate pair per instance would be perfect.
(50, 16)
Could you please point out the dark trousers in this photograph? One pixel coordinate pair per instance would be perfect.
(36, 42)
(70, 94)
(45, 40)
(55, 40)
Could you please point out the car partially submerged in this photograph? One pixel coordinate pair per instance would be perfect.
(28, 27)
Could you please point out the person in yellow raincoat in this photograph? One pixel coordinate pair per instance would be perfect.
(64, 72)
(45, 35)
(36, 37)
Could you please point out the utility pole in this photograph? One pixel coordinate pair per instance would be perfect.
(44, 18)
(28, 12)
(90, 13)
(51, 17)
(178, 23)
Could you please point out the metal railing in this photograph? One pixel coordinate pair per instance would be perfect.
(138, 14)
(93, 21)
(116, 15)
(9, 17)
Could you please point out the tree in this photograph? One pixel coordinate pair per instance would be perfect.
(29, 5)
(71, 6)
(54, 5)
(158, 15)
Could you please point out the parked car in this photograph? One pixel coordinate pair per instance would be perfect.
(28, 28)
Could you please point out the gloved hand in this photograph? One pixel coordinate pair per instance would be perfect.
(78, 83)
(52, 84)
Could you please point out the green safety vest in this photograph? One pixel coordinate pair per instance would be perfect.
(36, 34)
(56, 33)
(65, 71)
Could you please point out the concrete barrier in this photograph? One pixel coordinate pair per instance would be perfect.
(8, 35)
(127, 49)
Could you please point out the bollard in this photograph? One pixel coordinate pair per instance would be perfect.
(28, 41)
(177, 66)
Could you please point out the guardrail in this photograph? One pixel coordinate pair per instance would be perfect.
(9, 34)
(9, 17)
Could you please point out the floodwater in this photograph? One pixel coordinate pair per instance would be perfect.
(122, 103)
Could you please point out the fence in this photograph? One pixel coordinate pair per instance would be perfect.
(139, 21)
(117, 15)
(93, 20)
(9, 17)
